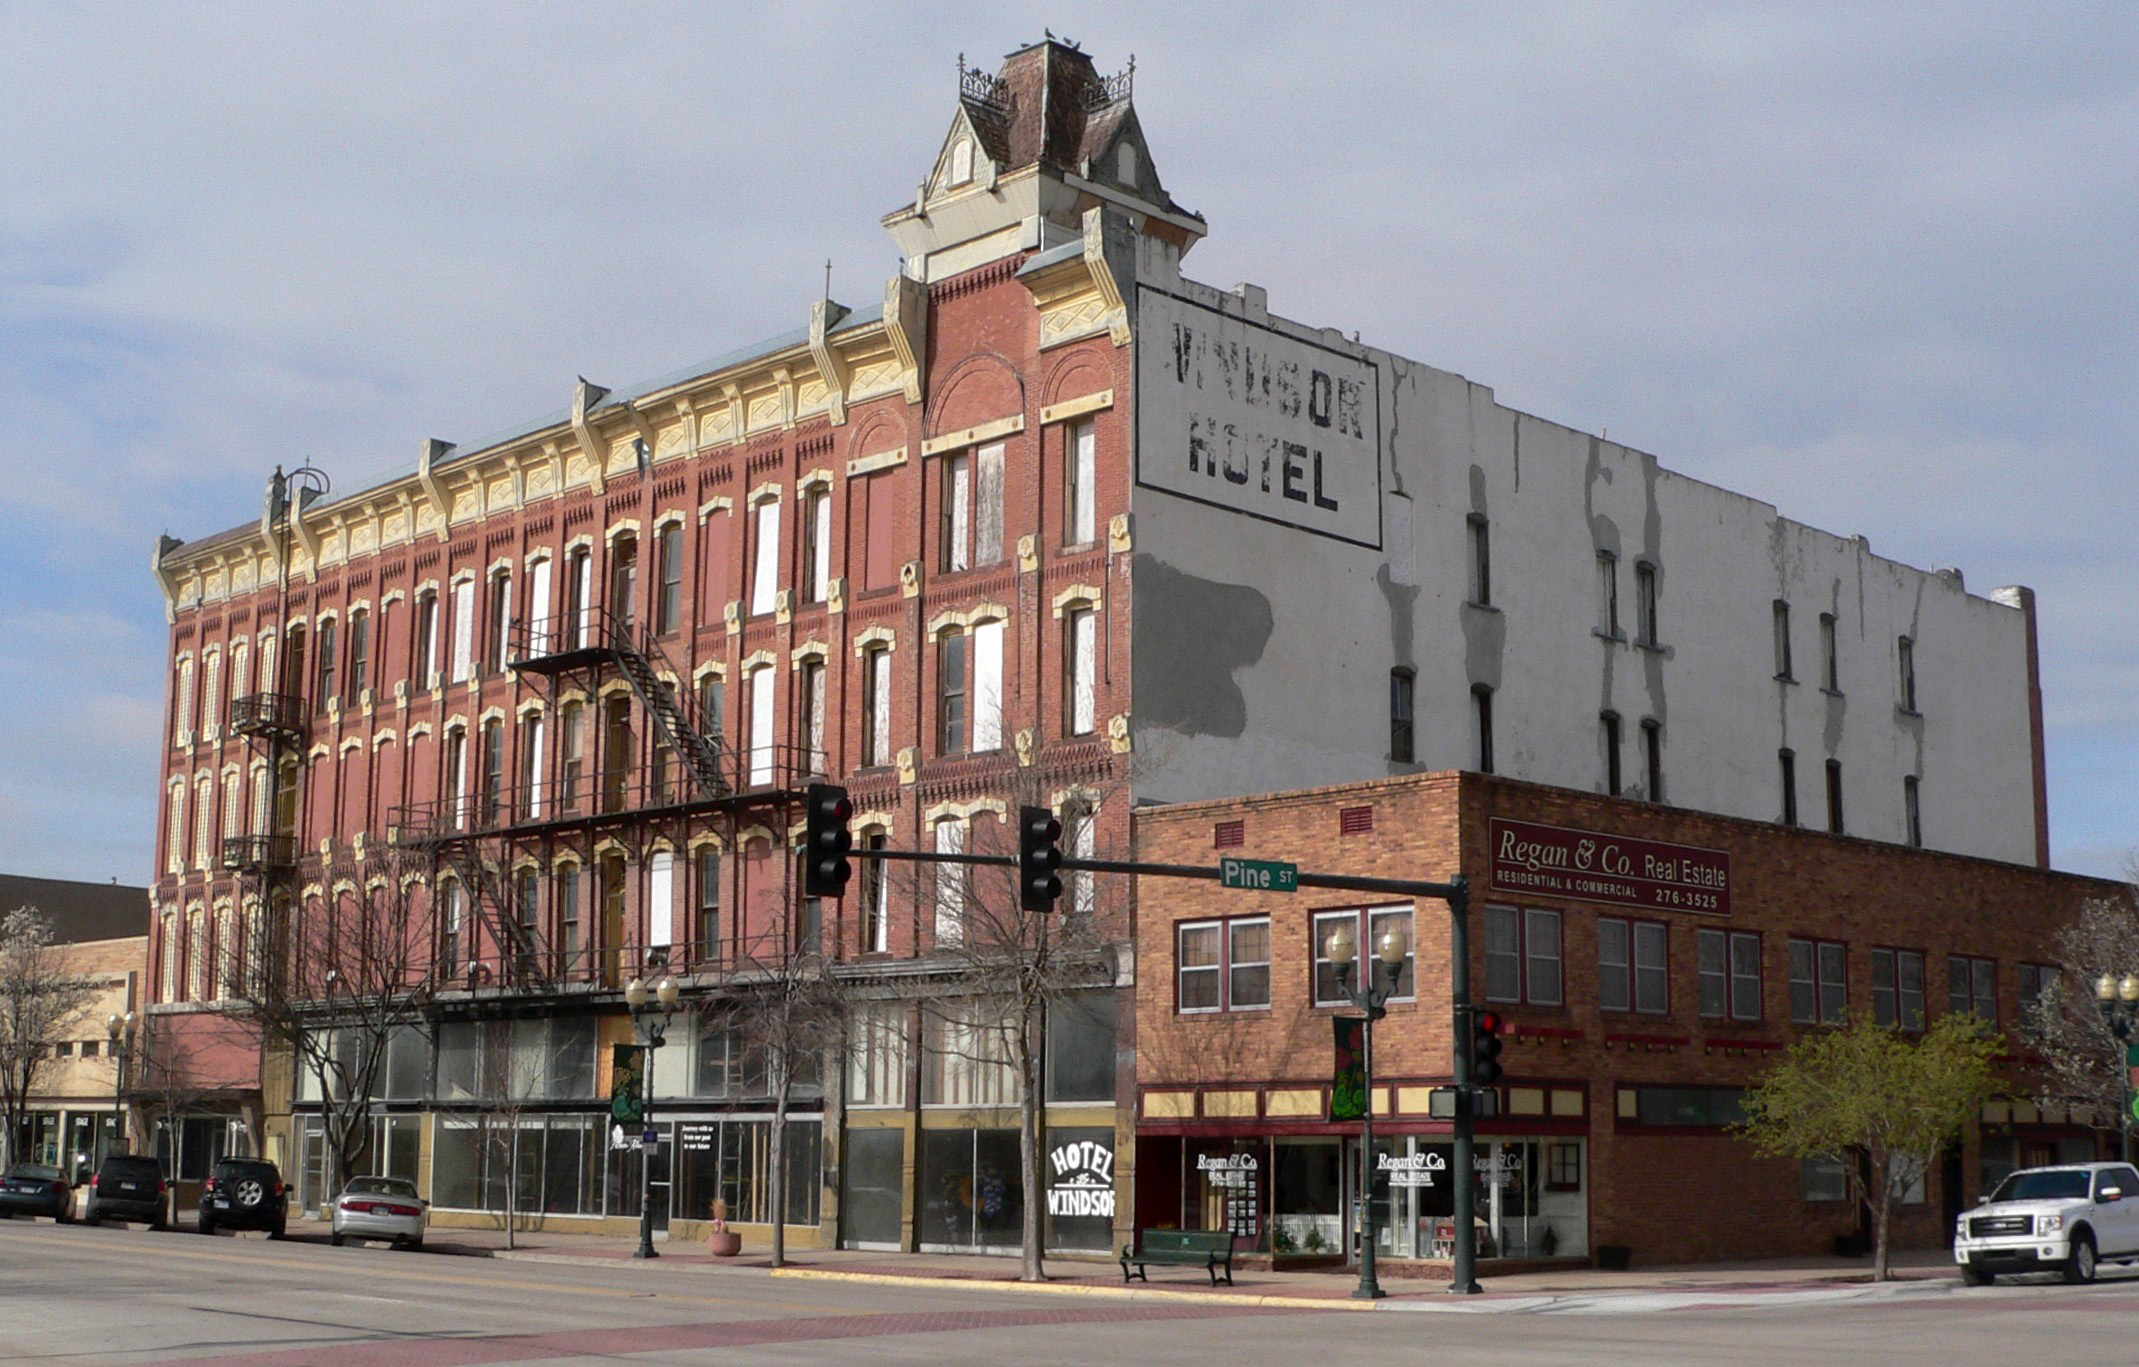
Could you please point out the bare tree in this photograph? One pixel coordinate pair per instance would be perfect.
(2082, 1058)
(334, 977)
(40, 1002)
(501, 1083)
(999, 971)
(791, 1013)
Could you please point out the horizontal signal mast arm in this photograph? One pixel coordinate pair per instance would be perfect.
(1402, 887)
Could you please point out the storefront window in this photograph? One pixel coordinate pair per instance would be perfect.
(1308, 1193)
(970, 1196)
(874, 1164)
(1077, 1172)
(732, 1159)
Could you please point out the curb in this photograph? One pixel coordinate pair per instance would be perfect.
(1080, 1289)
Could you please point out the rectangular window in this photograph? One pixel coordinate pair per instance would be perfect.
(1633, 966)
(1898, 988)
(1481, 547)
(2035, 979)
(425, 646)
(813, 724)
(765, 557)
(668, 566)
(359, 653)
(497, 644)
(579, 598)
(1818, 992)
(1223, 965)
(1080, 660)
(492, 795)
(1608, 727)
(1687, 1107)
(568, 919)
(950, 693)
(876, 1075)
(953, 882)
(1645, 623)
(1822, 1179)
(1608, 594)
(1972, 986)
(988, 504)
(876, 896)
(762, 685)
(1652, 756)
(211, 683)
(876, 706)
(1830, 666)
(531, 761)
(1367, 925)
(1403, 742)
(1730, 975)
(957, 501)
(1782, 642)
(1834, 796)
(463, 631)
(1912, 812)
(325, 696)
(572, 726)
(987, 687)
(1482, 725)
(816, 544)
(1786, 762)
(705, 928)
(713, 708)
(1080, 504)
(880, 557)
(1522, 956)
(1905, 648)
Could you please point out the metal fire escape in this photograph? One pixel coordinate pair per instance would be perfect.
(473, 833)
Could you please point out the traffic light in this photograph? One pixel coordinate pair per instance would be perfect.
(826, 840)
(1485, 1048)
(1038, 857)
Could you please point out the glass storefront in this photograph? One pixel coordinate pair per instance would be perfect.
(969, 1194)
(874, 1169)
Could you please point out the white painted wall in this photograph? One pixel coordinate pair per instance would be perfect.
(1262, 650)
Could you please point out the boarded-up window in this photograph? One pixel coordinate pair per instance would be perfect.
(765, 560)
(880, 556)
(988, 686)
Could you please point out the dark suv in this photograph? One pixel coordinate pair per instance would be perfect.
(128, 1187)
(244, 1193)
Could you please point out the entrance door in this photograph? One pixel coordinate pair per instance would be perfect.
(1385, 1225)
(658, 1179)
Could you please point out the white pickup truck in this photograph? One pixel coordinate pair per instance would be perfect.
(2067, 1219)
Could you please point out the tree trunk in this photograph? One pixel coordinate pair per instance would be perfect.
(512, 1188)
(1882, 1207)
(1029, 1156)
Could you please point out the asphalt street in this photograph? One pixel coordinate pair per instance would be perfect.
(83, 1296)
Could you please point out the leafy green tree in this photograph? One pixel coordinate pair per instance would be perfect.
(1869, 1091)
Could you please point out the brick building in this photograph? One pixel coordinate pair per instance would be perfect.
(1641, 997)
(970, 547)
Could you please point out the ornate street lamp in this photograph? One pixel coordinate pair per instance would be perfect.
(1372, 998)
(119, 1029)
(2120, 1008)
(650, 1014)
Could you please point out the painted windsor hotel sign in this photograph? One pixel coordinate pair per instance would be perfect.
(1558, 861)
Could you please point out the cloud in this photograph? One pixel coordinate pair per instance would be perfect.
(1875, 272)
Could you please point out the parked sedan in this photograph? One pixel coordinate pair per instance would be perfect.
(380, 1208)
(36, 1189)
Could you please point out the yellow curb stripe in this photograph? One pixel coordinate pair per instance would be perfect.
(1133, 1293)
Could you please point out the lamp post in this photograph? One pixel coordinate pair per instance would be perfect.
(651, 1018)
(1372, 999)
(2120, 1009)
(119, 1029)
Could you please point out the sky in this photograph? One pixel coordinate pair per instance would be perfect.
(1872, 263)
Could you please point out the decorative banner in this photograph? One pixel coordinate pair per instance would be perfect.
(1558, 861)
(627, 1084)
(1348, 1083)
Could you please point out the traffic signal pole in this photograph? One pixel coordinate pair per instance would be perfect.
(1038, 860)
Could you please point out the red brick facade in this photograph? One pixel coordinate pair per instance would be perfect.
(1667, 1191)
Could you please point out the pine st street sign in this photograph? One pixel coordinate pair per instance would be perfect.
(1259, 875)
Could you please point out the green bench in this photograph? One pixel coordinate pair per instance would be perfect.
(1209, 1249)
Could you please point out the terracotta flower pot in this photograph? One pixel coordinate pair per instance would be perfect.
(724, 1243)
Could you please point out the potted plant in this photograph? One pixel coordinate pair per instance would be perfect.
(721, 1241)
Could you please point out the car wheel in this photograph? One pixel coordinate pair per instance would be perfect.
(2079, 1265)
(278, 1230)
(207, 1226)
(1977, 1276)
(337, 1238)
(415, 1245)
(159, 1223)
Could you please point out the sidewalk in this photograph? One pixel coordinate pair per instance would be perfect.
(1773, 1281)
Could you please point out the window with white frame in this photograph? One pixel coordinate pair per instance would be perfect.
(668, 578)
(876, 1073)
(182, 704)
(816, 753)
(1972, 986)
(816, 544)
(497, 636)
(1080, 504)
(763, 685)
(876, 894)
(1898, 988)
(1367, 925)
(168, 954)
(1819, 989)
(539, 612)
(325, 692)
(950, 692)
(1633, 966)
(987, 687)
(1222, 965)
(952, 882)
(424, 647)
(876, 705)
(240, 657)
(233, 803)
(174, 840)
(211, 695)
(1522, 956)
(1082, 825)
(203, 821)
(533, 734)
(196, 955)
(463, 631)
(765, 557)
(229, 984)
(359, 654)
(966, 1056)
(1080, 664)
(1730, 975)
(971, 494)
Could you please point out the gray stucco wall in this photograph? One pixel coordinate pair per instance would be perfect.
(1263, 650)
